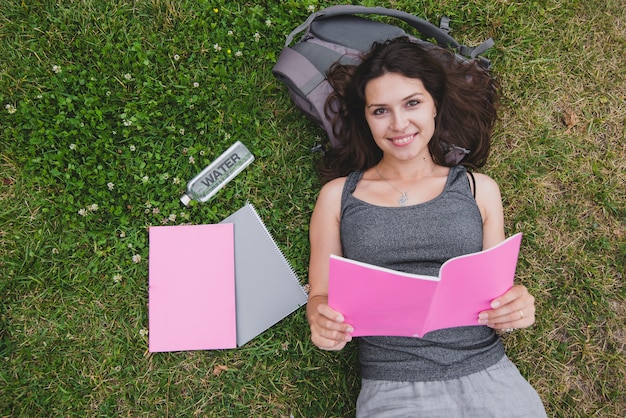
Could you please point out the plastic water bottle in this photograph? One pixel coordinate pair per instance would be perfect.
(214, 176)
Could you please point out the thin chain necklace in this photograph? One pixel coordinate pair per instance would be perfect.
(404, 199)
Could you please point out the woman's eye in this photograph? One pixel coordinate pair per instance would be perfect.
(412, 103)
(378, 112)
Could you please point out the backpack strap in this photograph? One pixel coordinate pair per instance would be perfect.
(423, 26)
(472, 183)
(476, 51)
(426, 28)
(297, 71)
(444, 24)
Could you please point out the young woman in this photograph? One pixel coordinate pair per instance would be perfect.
(411, 120)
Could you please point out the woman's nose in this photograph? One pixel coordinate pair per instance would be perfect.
(399, 121)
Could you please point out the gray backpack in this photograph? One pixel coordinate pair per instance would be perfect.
(336, 34)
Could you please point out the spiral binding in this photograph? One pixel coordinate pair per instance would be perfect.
(276, 247)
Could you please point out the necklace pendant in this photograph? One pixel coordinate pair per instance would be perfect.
(403, 199)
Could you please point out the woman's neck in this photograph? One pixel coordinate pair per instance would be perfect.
(406, 170)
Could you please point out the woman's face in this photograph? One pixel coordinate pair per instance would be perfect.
(400, 114)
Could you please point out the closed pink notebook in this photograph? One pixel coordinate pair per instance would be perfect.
(379, 301)
(191, 288)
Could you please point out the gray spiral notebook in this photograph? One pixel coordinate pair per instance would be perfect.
(266, 287)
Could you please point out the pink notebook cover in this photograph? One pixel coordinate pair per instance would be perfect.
(379, 301)
(191, 288)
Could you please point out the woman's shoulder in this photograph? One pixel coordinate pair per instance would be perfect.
(487, 191)
(339, 183)
(485, 182)
(328, 202)
(334, 187)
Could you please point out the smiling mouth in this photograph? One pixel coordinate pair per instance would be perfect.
(402, 140)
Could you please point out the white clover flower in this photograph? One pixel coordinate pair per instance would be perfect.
(108, 93)
(72, 147)
(143, 332)
(122, 234)
(127, 122)
(268, 23)
(192, 160)
(172, 217)
(227, 137)
(311, 8)
(111, 186)
(132, 148)
(217, 48)
(10, 108)
(93, 207)
(257, 37)
(176, 180)
(196, 84)
(55, 251)
(230, 33)
(136, 258)
(82, 212)
(155, 211)
(181, 131)
(128, 77)
(238, 54)
(57, 69)
(117, 278)
(145, 179)
(176, 57)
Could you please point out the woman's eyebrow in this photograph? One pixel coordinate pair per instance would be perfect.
(410, 96)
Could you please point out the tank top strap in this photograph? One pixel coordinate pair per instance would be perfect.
(351, 181)
(458, 181)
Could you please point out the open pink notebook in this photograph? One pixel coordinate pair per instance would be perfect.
(379, 301)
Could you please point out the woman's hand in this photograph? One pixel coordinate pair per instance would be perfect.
(328, 331)
(514, 309)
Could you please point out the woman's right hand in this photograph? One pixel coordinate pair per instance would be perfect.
(328, 330)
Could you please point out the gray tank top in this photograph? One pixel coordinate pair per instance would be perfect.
(419, 239)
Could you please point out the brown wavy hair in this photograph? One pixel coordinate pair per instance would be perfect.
(465, 97)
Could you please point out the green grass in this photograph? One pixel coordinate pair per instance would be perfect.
(110, 107)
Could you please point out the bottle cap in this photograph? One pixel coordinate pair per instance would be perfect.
(185, 199)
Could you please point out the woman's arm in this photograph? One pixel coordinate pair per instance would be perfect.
(516, 308)
(328, 331)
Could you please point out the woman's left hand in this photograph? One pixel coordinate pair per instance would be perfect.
(514, 309)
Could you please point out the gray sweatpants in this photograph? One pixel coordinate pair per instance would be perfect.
(498, 391)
